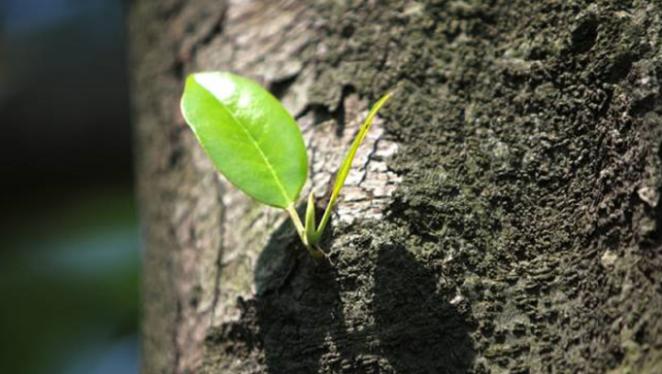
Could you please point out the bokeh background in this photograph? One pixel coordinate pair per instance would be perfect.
(69, 236)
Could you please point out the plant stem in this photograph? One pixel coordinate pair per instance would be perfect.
(325, 217)
(313, 250)
(297, 223)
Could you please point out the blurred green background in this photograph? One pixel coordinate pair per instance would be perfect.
(70, 244)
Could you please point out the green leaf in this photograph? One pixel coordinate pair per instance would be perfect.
(346, 165)
(249, 136)
(309, 223)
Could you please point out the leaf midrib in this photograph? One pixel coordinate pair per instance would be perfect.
(256, 145)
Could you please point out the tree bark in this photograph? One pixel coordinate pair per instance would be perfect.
(503, 216)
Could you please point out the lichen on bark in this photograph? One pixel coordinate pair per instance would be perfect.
(515, 182)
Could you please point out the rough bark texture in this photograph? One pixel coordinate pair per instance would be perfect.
(503, 217)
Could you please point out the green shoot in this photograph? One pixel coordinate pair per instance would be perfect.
(344, 170)
(258, 147)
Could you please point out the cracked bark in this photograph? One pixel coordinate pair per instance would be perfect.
(503, 216)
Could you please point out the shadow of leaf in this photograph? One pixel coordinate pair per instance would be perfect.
(419, 330)
(298, 305)
(301, 327)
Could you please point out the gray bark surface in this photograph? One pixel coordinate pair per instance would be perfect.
(503, 215)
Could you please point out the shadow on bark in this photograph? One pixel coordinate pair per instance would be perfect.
(298, 305)
(302, 327)
(419, 330)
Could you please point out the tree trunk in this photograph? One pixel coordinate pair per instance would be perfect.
(503, 216)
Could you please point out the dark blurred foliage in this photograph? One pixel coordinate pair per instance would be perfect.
(69, 253)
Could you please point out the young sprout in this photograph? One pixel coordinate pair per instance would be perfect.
(256, 144)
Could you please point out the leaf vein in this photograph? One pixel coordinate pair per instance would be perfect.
(257, 146)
